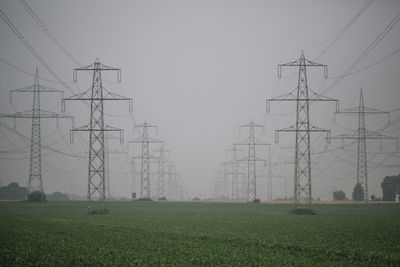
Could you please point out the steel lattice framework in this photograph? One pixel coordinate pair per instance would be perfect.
(303, 97)
(35, 181)
(234, 171)
(251, 158)
(161, 160)
(171, 182)
(96, 127)
(361, 134)
(145, 158)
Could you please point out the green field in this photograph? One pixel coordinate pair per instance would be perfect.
(208, 234)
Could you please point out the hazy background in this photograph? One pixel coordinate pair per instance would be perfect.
(198, 70)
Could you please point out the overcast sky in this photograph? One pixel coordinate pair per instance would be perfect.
(198, 70)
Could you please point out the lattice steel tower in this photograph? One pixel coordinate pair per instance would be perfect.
(96, 127)
(361, 134)
(234, 172)
(145, 157)
(303, 96)
(161, 160)
(251, 159)
(35, 181)
(172, 172)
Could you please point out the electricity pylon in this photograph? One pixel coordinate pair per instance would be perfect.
(269, 175)
(234, 172)
(282, 176)
(96, 127)
(361, 134)
(171, 172)
(223, 169)
(303, 96)
(134, 174)
(218, 184)
(176, 186)
(35, 181)
(161, 160)
(145, 157)
(107, 154)
(251, 158)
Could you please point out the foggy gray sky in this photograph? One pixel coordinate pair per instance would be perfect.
(198, 70)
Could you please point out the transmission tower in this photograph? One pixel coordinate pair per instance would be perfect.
(269, 175)
(107, 154)
(35, 181)
(234, 172)
(171, 172)
(303, 96)
(282, 176)
(96, 127)
(161, 160)
(225, 181)
(361, 134)
(134, 174)
(145, 157)
(251, 159)
(176, 185)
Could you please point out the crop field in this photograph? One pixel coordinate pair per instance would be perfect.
(198, 233)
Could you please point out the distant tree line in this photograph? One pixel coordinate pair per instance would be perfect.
(12, 192)
(391, 188)
(15, 192)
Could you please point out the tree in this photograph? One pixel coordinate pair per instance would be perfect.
(374, 198)
(390, 187)
(37, 196)
(358, 192)
(12, 192)
(339, 195)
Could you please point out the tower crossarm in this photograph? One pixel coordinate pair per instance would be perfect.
(292, 96)
(368, 135)
(302, 62)
(31, 89)
(87, 128)
(245, 159)
(141, 141)
(96, 66)
(29, 114)
(107, 95)
(298, 130)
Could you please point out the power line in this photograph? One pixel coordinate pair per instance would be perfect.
(33, 51)
(346, 28)
(48, 32)
(365, 53)
(372, 64)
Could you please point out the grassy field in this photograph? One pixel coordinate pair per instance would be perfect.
(208, 234)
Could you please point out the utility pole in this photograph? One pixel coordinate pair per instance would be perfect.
(161, 159)
(234, 172)
(361, 134)
(145, 157)
(251, 158)
(96, 127)
(35, 181)
(302, 96)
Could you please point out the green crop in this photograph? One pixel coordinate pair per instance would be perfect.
(193, 234)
